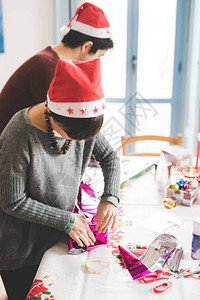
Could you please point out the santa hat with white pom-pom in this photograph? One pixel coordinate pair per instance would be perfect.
(90, 20)
(75, 90)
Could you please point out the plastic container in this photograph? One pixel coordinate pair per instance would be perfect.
(196, 239)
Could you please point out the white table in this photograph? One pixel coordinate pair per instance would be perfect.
(64, 275)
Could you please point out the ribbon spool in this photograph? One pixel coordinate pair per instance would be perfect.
(97, 265)
(169, 203)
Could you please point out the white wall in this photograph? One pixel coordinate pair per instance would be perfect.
(28, 27)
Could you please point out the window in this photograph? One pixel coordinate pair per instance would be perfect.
(142, 75)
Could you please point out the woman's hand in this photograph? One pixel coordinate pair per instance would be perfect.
(81, 232)
(106, 216)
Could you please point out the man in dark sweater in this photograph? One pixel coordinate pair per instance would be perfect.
(29, 84)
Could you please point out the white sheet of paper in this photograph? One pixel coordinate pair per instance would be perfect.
(163, 222)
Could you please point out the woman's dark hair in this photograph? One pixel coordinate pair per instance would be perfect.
(79, 128)
(75, 39)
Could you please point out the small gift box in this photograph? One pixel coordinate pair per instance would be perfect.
(181, 195)
(87, 202)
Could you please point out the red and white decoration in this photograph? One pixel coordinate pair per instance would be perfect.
(90, 20)
(75, 90)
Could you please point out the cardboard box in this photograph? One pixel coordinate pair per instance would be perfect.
(177, 155)
(182, 197)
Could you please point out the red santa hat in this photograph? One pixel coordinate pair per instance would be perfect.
(75, 90)
(90, 20)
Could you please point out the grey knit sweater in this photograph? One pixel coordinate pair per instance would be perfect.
(38, 188)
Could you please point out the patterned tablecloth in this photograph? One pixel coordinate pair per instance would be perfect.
(142, 217)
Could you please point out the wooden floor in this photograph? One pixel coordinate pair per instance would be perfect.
(3, 295)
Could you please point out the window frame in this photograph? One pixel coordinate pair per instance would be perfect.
(65, 9)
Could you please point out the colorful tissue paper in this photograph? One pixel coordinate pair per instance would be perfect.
(134, 265)
(87, 202)
(164, 251)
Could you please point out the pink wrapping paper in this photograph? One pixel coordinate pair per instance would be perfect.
(87, 203)
(135, 267)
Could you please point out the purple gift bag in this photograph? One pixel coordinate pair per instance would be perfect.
(87, 202)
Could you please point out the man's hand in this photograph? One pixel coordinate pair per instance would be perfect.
(81, 232)
(106, 216)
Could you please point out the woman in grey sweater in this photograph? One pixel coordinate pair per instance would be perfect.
(44, 151)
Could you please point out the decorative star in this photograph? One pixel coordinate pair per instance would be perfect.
(83, 110)
(95, 110)
(70, 111)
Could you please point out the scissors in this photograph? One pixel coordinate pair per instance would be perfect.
(159, 274)
(166, 284)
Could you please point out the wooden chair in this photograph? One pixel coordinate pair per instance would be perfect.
(133, 139)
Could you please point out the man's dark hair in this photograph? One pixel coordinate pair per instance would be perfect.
(79, 128)
(75, 39)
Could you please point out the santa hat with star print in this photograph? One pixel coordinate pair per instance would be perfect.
(90, 20)
(75, 90)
